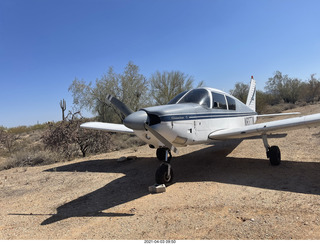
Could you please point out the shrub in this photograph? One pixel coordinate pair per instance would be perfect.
(29, 158)
(67, 138)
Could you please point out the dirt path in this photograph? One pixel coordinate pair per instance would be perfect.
(222, 191)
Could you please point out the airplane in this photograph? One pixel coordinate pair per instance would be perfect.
(199, 116)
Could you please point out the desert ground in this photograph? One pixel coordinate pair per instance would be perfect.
(224, 190)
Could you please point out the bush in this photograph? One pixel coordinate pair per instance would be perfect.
(68, 139)
(279, 108)
(123, 141)
(29, 158)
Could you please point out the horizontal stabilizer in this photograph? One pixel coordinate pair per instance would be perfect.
(279, 114)
(106, 127)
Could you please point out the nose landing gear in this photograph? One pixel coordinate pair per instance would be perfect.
(164, 173)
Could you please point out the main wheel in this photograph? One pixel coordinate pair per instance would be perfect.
(162, 176)
(275, 155)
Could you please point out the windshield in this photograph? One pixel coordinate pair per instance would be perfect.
(199, 96)
(176, 98)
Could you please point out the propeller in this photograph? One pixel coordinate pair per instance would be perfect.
(161, 138)
(140, 120)
(119, 105)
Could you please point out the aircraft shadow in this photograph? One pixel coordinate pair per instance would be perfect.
(138, 176)
(209, 164)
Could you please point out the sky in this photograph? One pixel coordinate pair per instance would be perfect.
(46, 44)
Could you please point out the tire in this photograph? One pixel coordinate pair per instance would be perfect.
(275, 155)
(162, 176)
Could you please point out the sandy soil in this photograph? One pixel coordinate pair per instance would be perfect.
(227, 190)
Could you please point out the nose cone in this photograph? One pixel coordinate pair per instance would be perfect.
(136, 120)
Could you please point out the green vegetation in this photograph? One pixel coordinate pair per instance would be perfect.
(52, 142)
(166, 85)
(282, 92)
(131, 87)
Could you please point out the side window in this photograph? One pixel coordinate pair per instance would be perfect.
(219, 101)
(231, 103)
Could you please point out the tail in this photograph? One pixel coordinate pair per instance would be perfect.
(251, 99)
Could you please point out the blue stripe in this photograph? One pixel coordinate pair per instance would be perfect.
(204, 116)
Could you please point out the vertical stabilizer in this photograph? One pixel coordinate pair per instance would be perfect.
(251, 99)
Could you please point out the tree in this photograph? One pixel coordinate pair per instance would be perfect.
(240, 91)
(131, 87)
(134, 87)
(8, 140)
(274, 85)
(283, 88)
(262, 101)
(108, 84)
(311, 90)
(166, 85)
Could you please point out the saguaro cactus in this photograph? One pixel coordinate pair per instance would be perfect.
(63, 107)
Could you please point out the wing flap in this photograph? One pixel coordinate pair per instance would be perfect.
(267, 127)
(106, 127)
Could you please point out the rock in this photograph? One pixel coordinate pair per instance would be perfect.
(122, 159)
(157, 188)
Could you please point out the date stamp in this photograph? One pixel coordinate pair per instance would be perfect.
(159, 241)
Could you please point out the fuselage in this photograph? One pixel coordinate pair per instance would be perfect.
(191, 116)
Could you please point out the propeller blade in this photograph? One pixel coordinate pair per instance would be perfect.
(161, 138)
(120, 105)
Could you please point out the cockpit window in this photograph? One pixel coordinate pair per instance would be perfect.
(198, 96)
(231, 103)
(219, 101)
(176, 98)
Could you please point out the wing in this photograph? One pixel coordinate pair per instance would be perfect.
(267, 127)
(106, 127)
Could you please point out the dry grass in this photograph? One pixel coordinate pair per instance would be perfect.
(27, 158)
(221, 191)
(123, 141)
(29, 150)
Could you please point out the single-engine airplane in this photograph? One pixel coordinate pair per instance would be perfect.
(197, 116)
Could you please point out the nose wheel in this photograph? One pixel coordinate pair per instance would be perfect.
(164, 173)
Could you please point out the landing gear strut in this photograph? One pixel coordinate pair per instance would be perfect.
(273, 152)
(164, 173)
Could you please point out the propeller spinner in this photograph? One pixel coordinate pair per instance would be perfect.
(140, 120)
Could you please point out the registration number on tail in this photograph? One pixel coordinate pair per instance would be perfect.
(248, 121)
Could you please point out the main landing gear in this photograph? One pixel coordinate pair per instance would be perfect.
(164, 173)
(273, 152)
